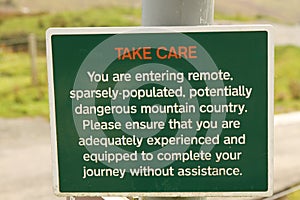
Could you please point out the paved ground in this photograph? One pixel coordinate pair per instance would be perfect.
(287, 35)
(25, 165)
(25, 159)
(286, 151)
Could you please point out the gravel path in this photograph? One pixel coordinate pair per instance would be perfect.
(25, 165)
(287, 35)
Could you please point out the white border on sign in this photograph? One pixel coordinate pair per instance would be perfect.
(186, 29)
(52, 113)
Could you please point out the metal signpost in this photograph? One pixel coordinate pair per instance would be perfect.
(161, 111)
(177, 12)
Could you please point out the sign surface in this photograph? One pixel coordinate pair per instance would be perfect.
(184, 111)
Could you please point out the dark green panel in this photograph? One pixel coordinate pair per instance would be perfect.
(244, 54)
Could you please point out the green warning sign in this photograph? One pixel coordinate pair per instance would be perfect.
(184, 111)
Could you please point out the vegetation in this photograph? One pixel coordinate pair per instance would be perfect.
(19, 97)
(292, 196)
(242, 18)
(38, 23)
(287, 78)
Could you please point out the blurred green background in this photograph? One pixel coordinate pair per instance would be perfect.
(21, 97)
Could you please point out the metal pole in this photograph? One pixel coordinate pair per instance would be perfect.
(177, 13)
(173, 13)
(32, 46)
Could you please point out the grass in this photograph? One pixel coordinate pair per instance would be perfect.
(219, 16)
(287, 78)
(12, 27)
(278, 11)
(39, 23)
(292, 196)
(18, 96)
